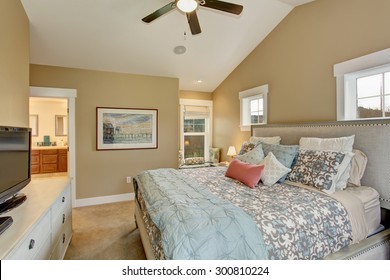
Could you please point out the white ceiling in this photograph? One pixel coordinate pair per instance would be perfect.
(109, 35)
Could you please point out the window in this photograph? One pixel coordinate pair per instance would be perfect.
(253, 107)
(256, 110)
(363, 87)
(195, 132)
(373, 96)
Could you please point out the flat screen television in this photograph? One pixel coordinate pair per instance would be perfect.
(15, 158)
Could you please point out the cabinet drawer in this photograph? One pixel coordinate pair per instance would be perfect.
(60, 221)
(49, 159)
(61, 213)
(34, 169)
(45, 251)
(62, 243)
(49, 152)
(34, 159)
(61, 202)
(48, 168)
(34, 242)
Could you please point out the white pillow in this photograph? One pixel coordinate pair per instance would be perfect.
(268, 140)
(343, 174)
(273, 170)
(339, 144)
(254, 156)
(358, 166)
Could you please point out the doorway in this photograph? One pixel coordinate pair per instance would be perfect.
(68, 96)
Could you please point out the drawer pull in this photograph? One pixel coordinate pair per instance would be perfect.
(63, 218)
(32, 243)
(63, 238)
(63, 199)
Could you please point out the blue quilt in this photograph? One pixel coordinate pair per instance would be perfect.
(196, 224)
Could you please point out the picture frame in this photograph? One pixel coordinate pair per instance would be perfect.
(126, 128)
(61, 125)
(34, 125)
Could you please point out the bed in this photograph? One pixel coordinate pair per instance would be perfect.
(203, 214)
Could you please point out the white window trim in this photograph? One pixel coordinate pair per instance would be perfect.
(247, 95)
(342, 73)
(209, 126)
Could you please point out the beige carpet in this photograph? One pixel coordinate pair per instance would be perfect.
(105, 232)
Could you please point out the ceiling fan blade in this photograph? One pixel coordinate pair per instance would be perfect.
(223, 6)
(194, 23)
(158, 13)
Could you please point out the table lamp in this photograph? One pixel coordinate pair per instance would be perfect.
(231, 152)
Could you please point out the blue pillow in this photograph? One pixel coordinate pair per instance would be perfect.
(285, 154)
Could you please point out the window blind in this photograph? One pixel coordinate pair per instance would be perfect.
(196, 112)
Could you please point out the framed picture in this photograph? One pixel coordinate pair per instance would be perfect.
(126, 128)
(34, 125)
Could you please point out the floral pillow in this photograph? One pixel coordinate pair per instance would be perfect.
(254, 156)
(246, 147)
(317, 169)
(194, 160)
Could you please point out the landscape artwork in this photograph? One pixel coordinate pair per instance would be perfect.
(122, 128)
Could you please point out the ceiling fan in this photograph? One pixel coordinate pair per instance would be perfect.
(189, 7)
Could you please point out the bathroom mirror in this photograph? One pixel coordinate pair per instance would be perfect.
(34, 125)
(61, 125)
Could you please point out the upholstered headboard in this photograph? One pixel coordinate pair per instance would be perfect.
(371, 137)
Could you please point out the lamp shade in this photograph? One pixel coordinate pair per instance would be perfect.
(232, 151)
(187, 6)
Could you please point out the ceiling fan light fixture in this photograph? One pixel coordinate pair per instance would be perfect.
(187, 6)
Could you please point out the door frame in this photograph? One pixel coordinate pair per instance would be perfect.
(70, 95)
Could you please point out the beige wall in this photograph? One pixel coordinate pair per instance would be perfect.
(297, 59)
(103, 173)
(47, 109)
(195, 95)
(14, 64)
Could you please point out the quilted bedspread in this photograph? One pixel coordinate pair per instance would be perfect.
(296, 222)
(195, 223)
(201, 214)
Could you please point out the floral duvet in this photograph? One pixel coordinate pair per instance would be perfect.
(294, 222)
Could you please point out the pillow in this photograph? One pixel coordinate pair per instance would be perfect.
(254, 156)
(194, 160)
(318, 169)
(246, 147)
(344, 172)
(268, 140)
(283, 153)
(273, 170)
(248, 174)
(339, 144)
(358, 166)
(214, 154)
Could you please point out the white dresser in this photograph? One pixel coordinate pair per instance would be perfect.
(42, 225)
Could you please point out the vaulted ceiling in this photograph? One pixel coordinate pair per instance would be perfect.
(109, 35)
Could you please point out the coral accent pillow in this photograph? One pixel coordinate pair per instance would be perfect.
(246, 173)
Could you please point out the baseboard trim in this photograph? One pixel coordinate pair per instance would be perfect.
(103, 199)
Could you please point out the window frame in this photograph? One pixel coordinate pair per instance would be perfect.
(346, 74)
(208, 124)
(245, 113)
(351, 95)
